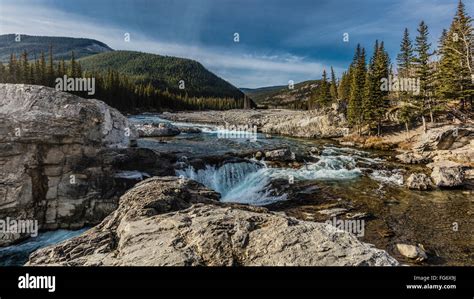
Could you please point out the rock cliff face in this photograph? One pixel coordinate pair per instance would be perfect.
(166, 221)
(51, 145)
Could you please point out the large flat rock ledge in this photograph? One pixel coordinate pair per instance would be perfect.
(164, 221)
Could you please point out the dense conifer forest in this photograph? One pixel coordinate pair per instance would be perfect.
(118, 88)
(422, 82)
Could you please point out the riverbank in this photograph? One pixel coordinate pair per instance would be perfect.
(80, 155)
(306, 181)
(445, 145)
(419, 193)
(326, 123)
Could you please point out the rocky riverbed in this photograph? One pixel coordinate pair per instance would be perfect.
(446, 149)
(66, 161)
(214, 199)
(435, 218)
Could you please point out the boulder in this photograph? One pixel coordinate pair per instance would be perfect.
(166, 221)
(157, 130)
(314, 151)
(419, 181)
(190, 130)
(447, 143)
(412, 158)
(454, 138)
(412, 252)
(258, 155)
(281, 155)
(49, 147)
(447, 137)
(447, 174)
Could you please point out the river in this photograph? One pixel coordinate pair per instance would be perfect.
(369, 182)
(336, 181)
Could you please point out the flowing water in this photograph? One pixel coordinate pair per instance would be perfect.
(17, 255)
(370, 182)
(359, 181)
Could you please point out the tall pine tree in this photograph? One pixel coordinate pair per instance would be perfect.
(42, 70)
(423, 72)
(333, 88)
(344, 90)
(455, 68)
(50, 70)
(355, 110)
(375, 98)
(323, 96)
(405, 70)
(405, 57)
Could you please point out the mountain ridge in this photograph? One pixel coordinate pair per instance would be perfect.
(163, 72)
(62, 46)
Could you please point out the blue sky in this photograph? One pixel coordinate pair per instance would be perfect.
(280, 40)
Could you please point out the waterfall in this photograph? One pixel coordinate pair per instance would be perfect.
(249, 182)
(244, 182)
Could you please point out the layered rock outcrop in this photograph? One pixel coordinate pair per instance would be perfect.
(448, 150)
(325, 123)
(52, 166)
(166, 221)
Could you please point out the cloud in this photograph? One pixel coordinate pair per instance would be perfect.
(235, 65)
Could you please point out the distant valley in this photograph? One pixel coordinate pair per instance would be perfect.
(283, 96)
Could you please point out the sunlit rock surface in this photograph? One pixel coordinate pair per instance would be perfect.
(50, 163)
(171, 222)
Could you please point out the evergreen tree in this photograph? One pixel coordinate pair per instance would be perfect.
(323, 94)
(333, 89)
(455, 68)
(37, 72)
(42, 70)
(12, 69)
(63, 67)
(371, 89)
(72, 69)
(405, 57)
(78, 70)
(50, 70)
(344, 89)
(374, 102)
(382, 72)
(25, 71)
(32, 74)
(3, 73)
(355, 111)
(423, 72)
(405, 66)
